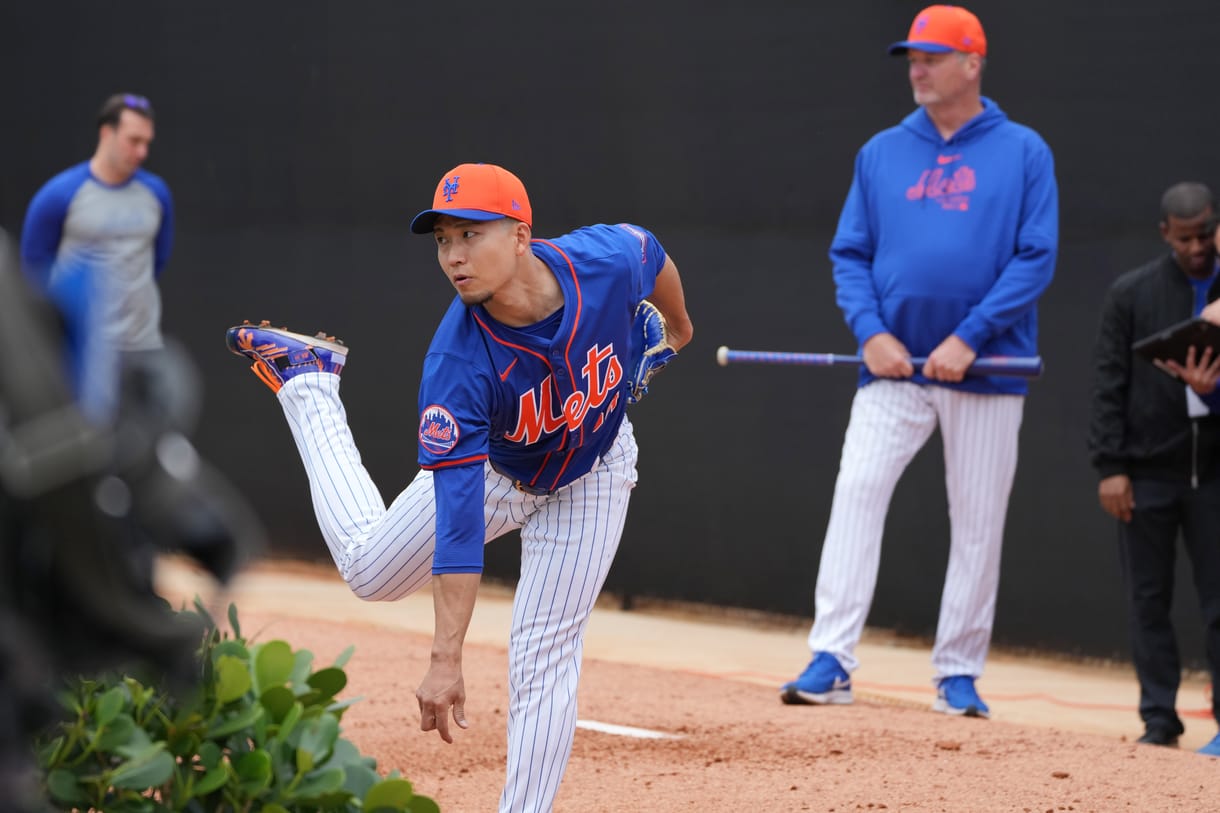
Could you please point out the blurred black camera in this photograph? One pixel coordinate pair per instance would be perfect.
(86, 506)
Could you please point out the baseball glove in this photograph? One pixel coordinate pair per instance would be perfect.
(650, 350)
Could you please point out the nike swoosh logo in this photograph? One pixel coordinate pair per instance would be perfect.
(507, 370)
(948, 159)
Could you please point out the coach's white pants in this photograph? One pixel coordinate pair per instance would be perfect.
(890, 422)
(568, 541)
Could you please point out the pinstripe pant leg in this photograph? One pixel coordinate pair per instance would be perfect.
(383, 554)
(346, 502)
(980, 443)
(890, 422)
(567, 548)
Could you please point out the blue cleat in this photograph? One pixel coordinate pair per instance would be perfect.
(1212, 749)
(280, 354)
(956, 695)
(824, 682)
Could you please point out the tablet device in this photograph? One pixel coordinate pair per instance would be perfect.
(1175, 340)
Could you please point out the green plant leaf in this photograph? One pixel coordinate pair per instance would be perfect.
(273, 663)
(220, 744)
(302, 666)
(64, 787)
(189, 706)
(254, 771)
(136, 744)
(278, 701)
(184, 744)
(319, 784)
(258, 732)
(214, 779)
(344, 754)
(394, 794)
(338, 708)
(328, 681)
(233, 620)
(141, 695)
(232, 679)
(290, 722)
(246, 718)
(344, 657)
(236, 649)
(203, 612)
(109, 705)
(122, 734)
(69, 700)
(151, 767)
(317, 740)
(48, 754)
(359, 779)
(422, 804)
(209, 755)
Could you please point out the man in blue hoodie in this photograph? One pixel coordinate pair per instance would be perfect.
(946, 241)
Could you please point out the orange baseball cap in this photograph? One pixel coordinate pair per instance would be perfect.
(476, 192)
(940, 29)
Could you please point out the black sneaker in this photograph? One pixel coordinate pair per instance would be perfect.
(1159, 735)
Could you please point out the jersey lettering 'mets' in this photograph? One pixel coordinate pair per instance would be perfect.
(536, 414)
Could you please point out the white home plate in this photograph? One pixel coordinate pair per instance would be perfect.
(625, 730)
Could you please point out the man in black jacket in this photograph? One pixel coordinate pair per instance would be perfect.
(1154, 438)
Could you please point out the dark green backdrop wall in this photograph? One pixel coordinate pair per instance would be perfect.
(299, 137)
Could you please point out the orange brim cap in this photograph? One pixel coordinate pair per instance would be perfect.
(476, 192)
(940, 29)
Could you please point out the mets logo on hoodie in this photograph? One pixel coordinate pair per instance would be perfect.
(949, 184)
(438, 431)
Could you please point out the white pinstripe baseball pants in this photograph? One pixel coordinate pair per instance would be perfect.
(568, 541)
(890, 422)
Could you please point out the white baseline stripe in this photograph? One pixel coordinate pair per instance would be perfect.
(625, 730)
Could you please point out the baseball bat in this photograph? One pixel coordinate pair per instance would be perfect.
(1023, 366)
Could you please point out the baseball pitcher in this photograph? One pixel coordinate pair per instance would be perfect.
(522, 425)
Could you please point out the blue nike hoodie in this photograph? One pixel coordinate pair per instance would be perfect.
(949, 237)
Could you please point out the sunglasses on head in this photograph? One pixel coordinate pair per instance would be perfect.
(136, 102)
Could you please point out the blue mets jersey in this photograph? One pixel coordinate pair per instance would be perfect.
(124, 233)
(542, 402)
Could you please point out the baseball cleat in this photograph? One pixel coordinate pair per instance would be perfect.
(279, 354)
(1212, 749)
(956, 695)
(824, 682)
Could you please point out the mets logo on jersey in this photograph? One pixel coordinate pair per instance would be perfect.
(438, 431)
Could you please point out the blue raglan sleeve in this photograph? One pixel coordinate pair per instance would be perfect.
(1032, 266)
(454, 408)
(851, 253)
(459, 519)
(163, 244)
(43, 229)
(648, 258)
